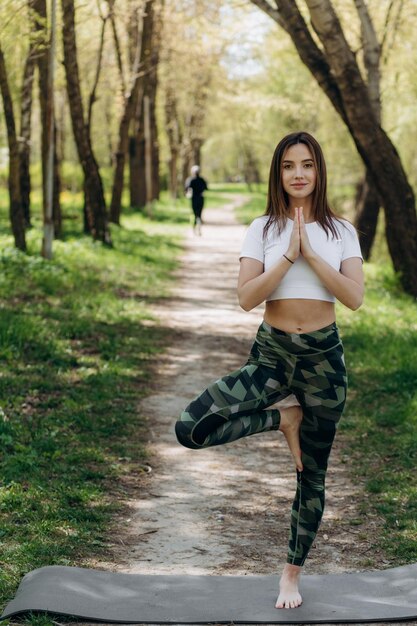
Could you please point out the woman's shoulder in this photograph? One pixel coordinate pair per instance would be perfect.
(261, 220)
(258, 224)
(347, 227)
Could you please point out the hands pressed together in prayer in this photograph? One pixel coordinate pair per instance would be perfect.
(299, 242)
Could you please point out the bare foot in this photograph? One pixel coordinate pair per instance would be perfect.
(289, 596)
(291, 418)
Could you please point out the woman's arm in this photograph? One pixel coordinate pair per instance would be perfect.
(347, 285)
(254, 285)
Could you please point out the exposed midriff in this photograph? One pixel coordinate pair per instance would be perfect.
(299, 315)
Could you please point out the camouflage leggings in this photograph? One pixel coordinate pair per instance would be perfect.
(310, 366)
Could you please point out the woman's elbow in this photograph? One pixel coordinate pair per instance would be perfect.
(244, 303)
(355, 302)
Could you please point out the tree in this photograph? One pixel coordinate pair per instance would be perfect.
(367, 204)
(337, 72)
(50, 157)
(25, 124)
(139, 72)
(143, 143)
(173, 129)
(93, 186)
(51, 182)
(16, 210)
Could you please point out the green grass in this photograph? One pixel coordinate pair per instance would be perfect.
(76, 340)
(381, 418)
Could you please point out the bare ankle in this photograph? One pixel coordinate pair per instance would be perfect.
(289, 596)
(291, 572)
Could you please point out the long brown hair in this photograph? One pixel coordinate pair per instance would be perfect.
(277, 207)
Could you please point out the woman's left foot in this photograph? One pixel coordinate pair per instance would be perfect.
(289, 596)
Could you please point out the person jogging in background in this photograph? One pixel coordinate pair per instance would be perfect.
(299, 258)
(195, 186)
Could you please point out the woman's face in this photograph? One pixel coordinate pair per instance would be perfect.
(298, 172)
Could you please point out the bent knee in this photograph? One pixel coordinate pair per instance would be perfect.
(197, 431)
(183, 434)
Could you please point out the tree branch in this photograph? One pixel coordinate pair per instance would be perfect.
(395, 27)
(291, 20)
(92, 97)
(117, 47)
(371, 55)
(327, 26)
(270, 11)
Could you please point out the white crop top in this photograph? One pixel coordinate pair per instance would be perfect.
(300, 281)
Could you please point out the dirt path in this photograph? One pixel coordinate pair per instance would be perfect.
(224, 510)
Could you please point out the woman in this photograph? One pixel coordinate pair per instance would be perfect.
(298, 258)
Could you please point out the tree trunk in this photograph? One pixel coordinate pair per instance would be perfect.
(371, 56)
(152, 90)
(48, 221)
(367, 206)
(56, 206)
(148, 150)
(132, 19)
(173, 173)
(25, 132)
(16, 210)
(374, 145)
(196, 145)
(94, 193)
(366, 219)
(139, 71)
(155, 183)
(134, 26)
(173, 132)
(149, 89)
(250, 165)
(187, 161)
(39, 8)
(61, 135)
(156, 187)
(137, 173)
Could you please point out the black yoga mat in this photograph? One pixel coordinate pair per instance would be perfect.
(88, 594)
